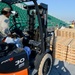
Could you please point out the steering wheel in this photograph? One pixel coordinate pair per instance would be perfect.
(14, 27)
(17, 30)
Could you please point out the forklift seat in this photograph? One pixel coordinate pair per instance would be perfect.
(6, 48)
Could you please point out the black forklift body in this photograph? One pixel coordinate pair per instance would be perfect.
(14, 62)
(19, 61)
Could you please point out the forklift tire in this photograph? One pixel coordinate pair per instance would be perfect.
(45, 65)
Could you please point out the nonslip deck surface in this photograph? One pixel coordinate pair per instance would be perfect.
(62, 68)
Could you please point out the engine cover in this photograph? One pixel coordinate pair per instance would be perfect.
(14, 62)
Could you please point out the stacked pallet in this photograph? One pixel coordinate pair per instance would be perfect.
(58, 48)
(71, 52)
(65, 45)
(67, 33)
(61, 48)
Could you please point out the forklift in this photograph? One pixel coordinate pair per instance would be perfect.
(16, 62)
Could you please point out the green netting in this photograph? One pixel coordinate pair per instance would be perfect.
(23, 18)
(52, 21)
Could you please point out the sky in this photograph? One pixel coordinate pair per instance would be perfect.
(61, 9)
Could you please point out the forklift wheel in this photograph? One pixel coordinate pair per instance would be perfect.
(45, 65)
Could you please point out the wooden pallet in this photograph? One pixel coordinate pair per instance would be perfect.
(71, 61)
(65, 49)
(62, 48)
(67, 33)
(71, 52)
(58, 56)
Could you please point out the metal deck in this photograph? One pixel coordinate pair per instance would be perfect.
(62, 68)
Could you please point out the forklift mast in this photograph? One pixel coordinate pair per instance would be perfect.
(42, 18)
(31, 11)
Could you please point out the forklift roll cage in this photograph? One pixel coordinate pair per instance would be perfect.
(43, 34)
